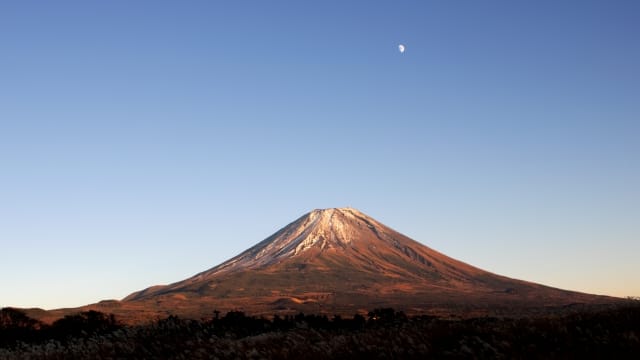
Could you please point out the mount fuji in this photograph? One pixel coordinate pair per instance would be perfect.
(341, 261)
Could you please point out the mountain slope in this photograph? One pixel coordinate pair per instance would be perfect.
(341, 261)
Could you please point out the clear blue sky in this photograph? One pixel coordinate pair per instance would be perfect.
(144, 141)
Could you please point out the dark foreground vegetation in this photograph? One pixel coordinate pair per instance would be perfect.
(384, 333)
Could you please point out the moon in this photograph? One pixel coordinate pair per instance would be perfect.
(401, 48)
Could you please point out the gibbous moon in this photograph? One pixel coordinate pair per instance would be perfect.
(401, 48)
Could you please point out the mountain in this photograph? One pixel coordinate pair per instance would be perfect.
(343, 261)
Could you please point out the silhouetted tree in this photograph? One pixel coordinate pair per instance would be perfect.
(86, 323)
(14, 318)
(383, 315)
(16, 326)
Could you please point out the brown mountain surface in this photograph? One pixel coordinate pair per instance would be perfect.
(343, 261)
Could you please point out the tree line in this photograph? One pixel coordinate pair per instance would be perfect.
(612, 332)
(16, 326)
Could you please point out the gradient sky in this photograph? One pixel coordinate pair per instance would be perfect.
(142, 142)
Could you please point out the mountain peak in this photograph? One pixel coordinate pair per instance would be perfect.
(329, 212)
(317, 232)
(340, 209)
